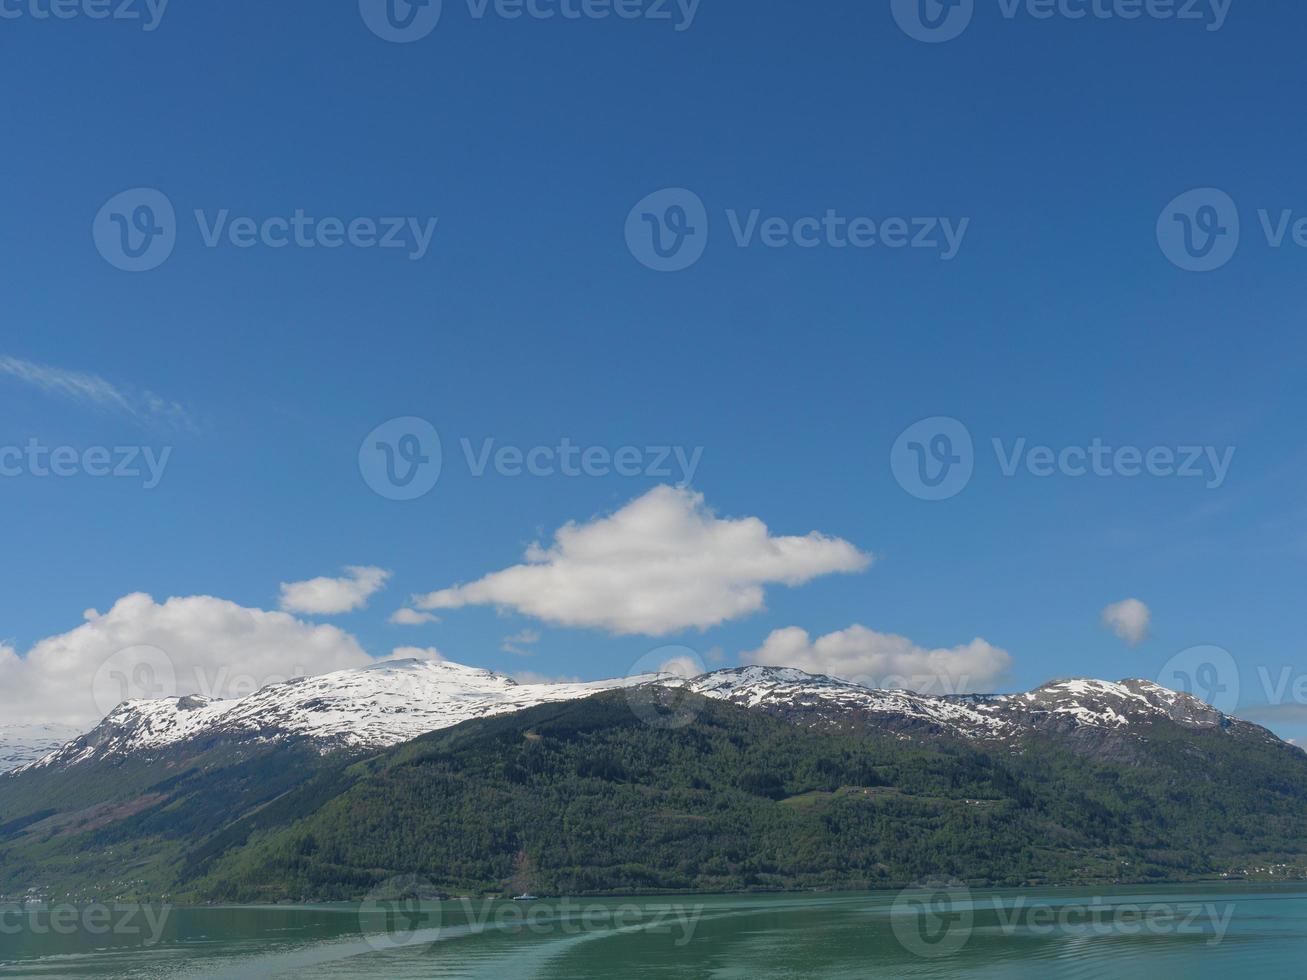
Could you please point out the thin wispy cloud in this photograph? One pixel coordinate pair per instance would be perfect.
(91, 389)
(518, 643)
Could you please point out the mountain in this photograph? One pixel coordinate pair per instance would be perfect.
(24, 744)
(369, 707)
(754, 777)
(736, 799)
(1094, 717)
(395, 701)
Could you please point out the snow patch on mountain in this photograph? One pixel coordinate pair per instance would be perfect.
(375, 706)
(395, 701)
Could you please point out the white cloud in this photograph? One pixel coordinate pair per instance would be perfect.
(93, 390)
(329, 596)
(662, 563)
(1128, 619)
(885, 660)
(141, 648)
(411, 617)
(517, 643)
(417, 653)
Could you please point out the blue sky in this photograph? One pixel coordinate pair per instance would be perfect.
(529, 320)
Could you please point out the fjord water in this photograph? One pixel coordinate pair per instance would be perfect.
(1196, 932)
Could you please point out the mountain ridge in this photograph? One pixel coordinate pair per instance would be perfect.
(773, 778)
(390, 702)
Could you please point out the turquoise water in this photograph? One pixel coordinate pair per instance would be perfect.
(1155, 933)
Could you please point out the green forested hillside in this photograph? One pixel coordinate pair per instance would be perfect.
(589, 799)
(599, 802)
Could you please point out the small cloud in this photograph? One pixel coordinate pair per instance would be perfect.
(91, 389)
(418, 653)
(514, 644)
(331, 596)
(1129, 619)
(662, 563)
(411, 617)
(886, 661)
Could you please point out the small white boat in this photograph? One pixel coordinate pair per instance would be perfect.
(525, 898)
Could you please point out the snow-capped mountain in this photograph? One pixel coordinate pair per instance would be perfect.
(394, 701)
(1096, 717)
(375, 706)
(22, 744)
